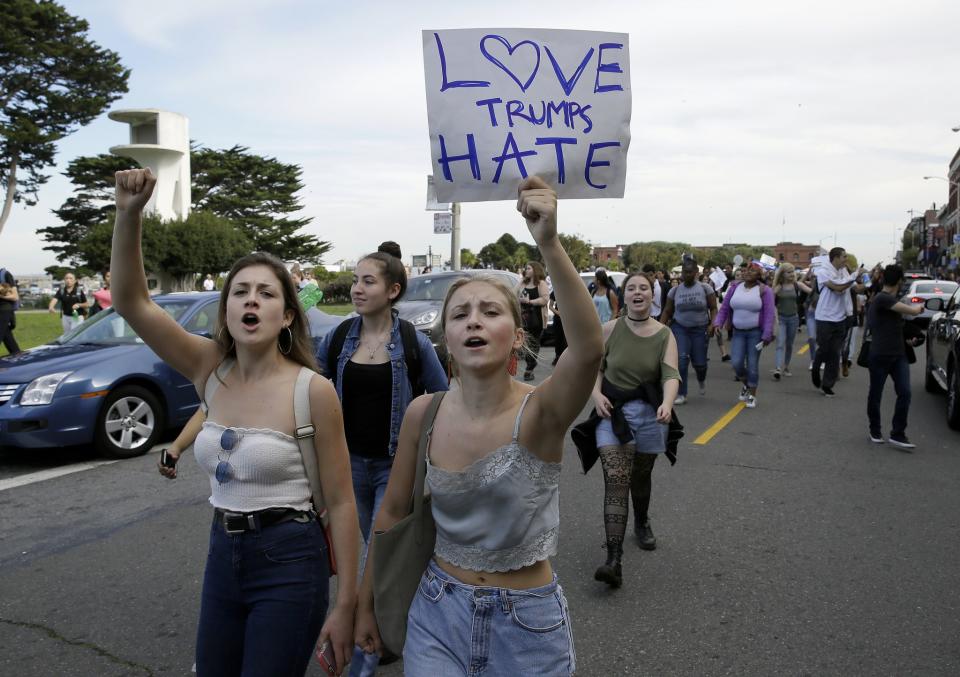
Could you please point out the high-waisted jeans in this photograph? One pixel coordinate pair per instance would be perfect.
(456, 629)
(692, 347)
(787, 332)
(264, 599)
(745, 356)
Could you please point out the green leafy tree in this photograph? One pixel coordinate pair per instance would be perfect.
(468, 259)
(578, 249)
(496, 255)
(53, 80)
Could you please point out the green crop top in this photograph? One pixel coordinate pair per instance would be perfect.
(630, 360)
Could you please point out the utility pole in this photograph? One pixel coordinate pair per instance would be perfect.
(455, 238)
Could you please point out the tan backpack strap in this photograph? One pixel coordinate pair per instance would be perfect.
(213, 382)
(304, 434)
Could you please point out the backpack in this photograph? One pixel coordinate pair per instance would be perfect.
(411, 353)
(3, 276)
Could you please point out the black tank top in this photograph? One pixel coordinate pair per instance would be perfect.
(532, 315)
(367, 393)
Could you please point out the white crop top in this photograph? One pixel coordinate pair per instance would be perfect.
(267, 467)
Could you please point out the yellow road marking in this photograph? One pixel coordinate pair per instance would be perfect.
(806, 347)
(721, 423)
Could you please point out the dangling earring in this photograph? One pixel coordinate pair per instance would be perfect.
(512, 364)
(220, 339)
(289, 344)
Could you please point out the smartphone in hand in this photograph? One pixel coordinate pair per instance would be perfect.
(326, 658)
(166, 460)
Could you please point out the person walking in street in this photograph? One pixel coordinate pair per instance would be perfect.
(266, 582)
(833, 283)
(493, 470)
(9, 300)
(102, 298)
(690, 311)
(786, 293)
(208, 283)
(605, 297)
(367, 358)
(73, 303)
(809, 301)
(749, 308)
(534, 295)
(634, 395)
(888, 357)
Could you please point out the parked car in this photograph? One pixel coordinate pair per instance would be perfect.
(943, 354)
(919, 291)
(423, 301)
(100, 384)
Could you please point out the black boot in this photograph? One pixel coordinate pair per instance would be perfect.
(611, 572)
(645, 538)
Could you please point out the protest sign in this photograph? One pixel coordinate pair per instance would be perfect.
(504, 104)
(719, 278)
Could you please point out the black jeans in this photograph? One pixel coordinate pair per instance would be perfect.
(641, 485)
(897, 367)
(830, 337)
(560, 339)
(532, 351)
(6, 332)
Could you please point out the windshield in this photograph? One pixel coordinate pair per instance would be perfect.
(936, 288)
(107, 327)
(427, 288)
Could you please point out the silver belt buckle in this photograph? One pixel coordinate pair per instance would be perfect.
(251, 523)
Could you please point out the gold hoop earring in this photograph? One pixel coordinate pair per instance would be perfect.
(220, 339)
(289, 344)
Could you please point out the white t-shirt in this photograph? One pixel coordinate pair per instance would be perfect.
(208, 285)
(655, 312)
(832, 305)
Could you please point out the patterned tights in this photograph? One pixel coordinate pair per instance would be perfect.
(620, 473)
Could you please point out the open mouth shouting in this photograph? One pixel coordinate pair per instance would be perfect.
(250, 321)
(475, 342)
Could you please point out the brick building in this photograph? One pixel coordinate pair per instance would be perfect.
(796, 253)
(602, 256)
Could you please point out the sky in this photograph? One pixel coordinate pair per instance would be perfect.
(752, 121)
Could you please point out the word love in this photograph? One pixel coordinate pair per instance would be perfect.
(497, 49)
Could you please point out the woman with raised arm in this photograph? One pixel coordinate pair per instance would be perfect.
(493, 470)
(786, 295)
(534, 295)
(265, 588)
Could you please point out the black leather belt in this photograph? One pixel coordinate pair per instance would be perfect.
(240, 522)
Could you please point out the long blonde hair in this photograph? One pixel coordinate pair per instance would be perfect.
(782, 270)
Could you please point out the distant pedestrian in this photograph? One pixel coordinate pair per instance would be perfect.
(690, 311)
(888, 357)
(786, 292)
(9, 300)
(73, 303)
(102, 298)
(534, 295)
(834, 282)
(749, 308)
(605, 296)
(208, 283)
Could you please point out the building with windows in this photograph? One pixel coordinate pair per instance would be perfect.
(798, 254)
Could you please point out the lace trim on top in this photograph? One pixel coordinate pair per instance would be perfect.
(253, 431)
(491, 467)
(475, 558)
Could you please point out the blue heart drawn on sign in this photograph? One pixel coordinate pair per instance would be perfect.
(510, 50)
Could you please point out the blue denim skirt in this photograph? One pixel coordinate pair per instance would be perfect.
(456, 629)
(649, 435)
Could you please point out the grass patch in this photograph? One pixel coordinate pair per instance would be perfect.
(337, 308)
(34, 329)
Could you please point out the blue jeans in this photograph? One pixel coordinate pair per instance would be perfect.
(745, 356)
(459, 629)
(264, 599)
(692, 347)
(370, 476)
(787, 332)
(897, 367)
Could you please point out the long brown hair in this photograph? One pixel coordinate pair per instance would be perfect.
(539, 272)
(301, 349)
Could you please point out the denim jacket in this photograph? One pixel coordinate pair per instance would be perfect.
(432, 374)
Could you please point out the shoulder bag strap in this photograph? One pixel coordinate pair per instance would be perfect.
(304, 434)
(213, 382)
(426, 431)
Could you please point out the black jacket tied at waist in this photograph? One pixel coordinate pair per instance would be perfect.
(584, 434)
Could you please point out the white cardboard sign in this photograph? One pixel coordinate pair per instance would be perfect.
(507, 103)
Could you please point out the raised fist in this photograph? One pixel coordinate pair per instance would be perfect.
(134, 188)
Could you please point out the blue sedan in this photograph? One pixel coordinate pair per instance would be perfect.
(99, 384)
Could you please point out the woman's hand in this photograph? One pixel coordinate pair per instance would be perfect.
(170, 473)
(338, 630)
(538, 204)
(134, 188)
(366, 632)
(602, 404)
(664, 413)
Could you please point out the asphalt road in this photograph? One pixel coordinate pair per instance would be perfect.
(788, 544)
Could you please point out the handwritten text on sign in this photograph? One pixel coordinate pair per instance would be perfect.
(504, 104)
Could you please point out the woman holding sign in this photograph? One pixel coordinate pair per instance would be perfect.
(489, 598)
(265, 588)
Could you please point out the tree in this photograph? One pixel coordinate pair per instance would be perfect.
(232, 184)
(53, 80)
(468, 259)
(577, 249)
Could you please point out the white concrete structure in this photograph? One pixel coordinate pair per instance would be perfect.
(160, 140)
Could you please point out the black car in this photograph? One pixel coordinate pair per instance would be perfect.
(943, 354)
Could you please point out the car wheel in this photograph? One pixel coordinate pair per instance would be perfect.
(929, 382)
(129, 424)
(953, 399)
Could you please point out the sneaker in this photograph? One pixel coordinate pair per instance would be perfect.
(901, 441)
(645, 538)
(828, 392)
(787, 372)
(703, 387)
(846, 369)
(725, 358)
(744, 394)
(876, 437)
(751, 401)
(815, 376)
(680, 399)
(776, 374)
(810, 367)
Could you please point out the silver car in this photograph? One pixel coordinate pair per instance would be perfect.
(423, 301)
(919, 291)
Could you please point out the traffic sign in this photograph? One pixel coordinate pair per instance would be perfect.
(442, 223)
